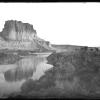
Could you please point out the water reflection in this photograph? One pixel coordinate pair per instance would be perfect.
(14, 75)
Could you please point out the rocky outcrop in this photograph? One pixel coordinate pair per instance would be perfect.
(16, 30)
(19, 35)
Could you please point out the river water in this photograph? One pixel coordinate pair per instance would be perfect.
(12, 76)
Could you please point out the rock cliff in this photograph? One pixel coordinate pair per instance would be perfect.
(19, 35)
(16, 30)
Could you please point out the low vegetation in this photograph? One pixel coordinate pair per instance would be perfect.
(73, 75)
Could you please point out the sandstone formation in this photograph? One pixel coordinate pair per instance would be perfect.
(18, 35)
(16, 30)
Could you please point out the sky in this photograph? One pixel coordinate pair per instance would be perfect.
(59, 23)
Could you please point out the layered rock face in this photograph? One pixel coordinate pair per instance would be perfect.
(16, 30)
(18, 35)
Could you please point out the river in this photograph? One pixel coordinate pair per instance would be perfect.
(12, 76)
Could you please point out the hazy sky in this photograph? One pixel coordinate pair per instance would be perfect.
(59, 23)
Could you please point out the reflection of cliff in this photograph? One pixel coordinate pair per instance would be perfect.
(24, 70)
(17, 74)
(18, 35)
